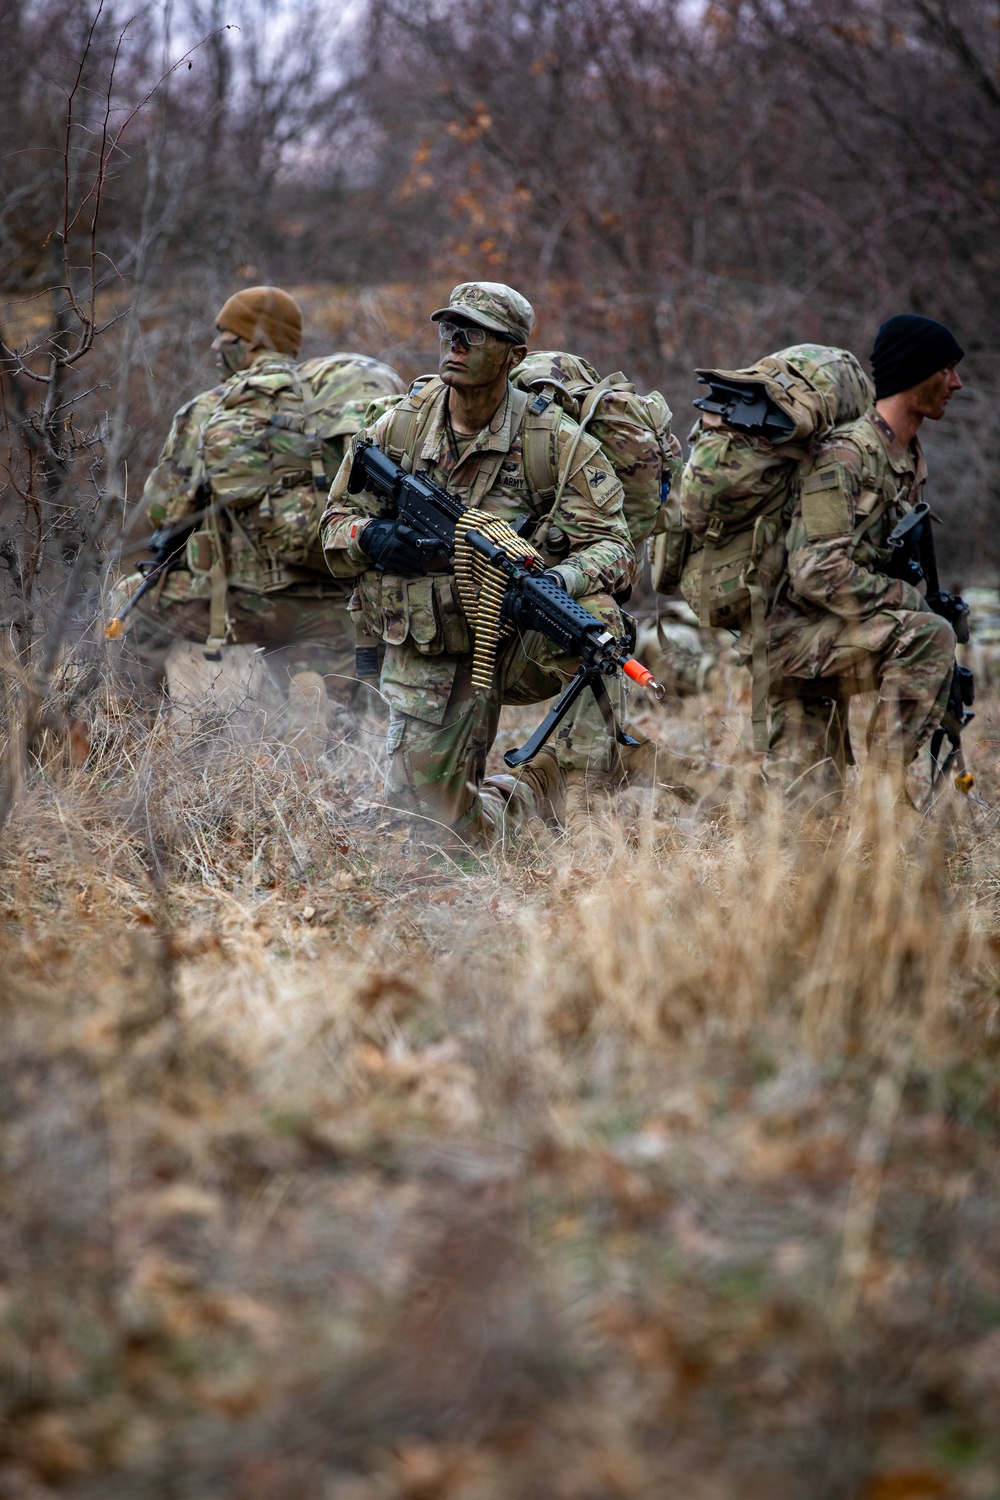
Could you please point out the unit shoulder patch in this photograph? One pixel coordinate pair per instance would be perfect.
(825, 508)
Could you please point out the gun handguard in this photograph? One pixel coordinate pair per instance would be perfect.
(535, 601)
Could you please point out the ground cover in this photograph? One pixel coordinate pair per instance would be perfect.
(661, 1161)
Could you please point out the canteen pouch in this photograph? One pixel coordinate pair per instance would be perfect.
(201, 552)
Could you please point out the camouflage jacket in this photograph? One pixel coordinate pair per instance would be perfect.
(168, 493)
(586, 538)
(858, 470)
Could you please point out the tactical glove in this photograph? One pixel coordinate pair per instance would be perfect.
(394, 547)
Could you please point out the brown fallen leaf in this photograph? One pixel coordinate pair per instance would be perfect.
(79, 742)
(908, 1484)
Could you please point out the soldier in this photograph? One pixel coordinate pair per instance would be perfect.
(245, 463)
(466, 429)
(843, 626)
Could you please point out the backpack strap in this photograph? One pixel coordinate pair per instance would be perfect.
(867, 522)
(546, 474)
(541, 421)
(304, 390)
(410, 421)
(760, 667)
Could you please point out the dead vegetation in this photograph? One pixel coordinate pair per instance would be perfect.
(659, 1163)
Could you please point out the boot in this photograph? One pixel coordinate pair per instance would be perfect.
(585, 791)
(536, 790)
(547, 782)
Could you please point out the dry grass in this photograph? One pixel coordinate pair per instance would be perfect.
(659, 1163)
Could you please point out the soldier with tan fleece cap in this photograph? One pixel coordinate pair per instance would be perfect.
(261, 317)
(248, 463)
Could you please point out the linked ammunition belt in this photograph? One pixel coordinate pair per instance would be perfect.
(481, 587)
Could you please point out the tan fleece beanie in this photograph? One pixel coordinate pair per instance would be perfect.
(264, 315)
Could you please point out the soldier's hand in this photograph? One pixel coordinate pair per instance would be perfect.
(394, 547)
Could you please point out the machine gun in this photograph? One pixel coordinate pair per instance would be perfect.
(503, 583)
(961, 696)
(914, 560)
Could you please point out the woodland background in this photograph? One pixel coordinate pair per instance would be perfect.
(671, 183)
(655, 1160)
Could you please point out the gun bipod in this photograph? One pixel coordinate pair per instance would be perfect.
(584, 677)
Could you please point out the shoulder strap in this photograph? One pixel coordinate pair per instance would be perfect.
(867, 522)
(302, 386)
(541, 422)
(409, 422)
(546, 474)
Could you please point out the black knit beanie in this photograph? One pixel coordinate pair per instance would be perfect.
(907, 349)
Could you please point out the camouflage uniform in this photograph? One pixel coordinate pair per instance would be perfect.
(244, 442)
(843, 626)
(440, 729)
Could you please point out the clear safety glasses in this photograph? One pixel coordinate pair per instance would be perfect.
(471, 337)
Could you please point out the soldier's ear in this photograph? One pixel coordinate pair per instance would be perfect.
(517, 353)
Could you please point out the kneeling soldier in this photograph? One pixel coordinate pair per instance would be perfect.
(466, 429)
(845, 624)
(244, 470)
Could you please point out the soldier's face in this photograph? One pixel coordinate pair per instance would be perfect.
(930, 398)
(482, 365)
(232, 353)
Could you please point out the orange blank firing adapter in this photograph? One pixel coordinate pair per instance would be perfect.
(644, 677)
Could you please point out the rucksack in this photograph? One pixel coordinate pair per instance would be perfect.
(633, 431)
(284, 433)
(342, 387)
(724, 542)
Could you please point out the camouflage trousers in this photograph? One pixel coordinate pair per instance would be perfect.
(816, 665)
(300, 630)
(441, 731)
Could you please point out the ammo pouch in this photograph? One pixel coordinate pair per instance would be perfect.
(424, 613)
(201, 552)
